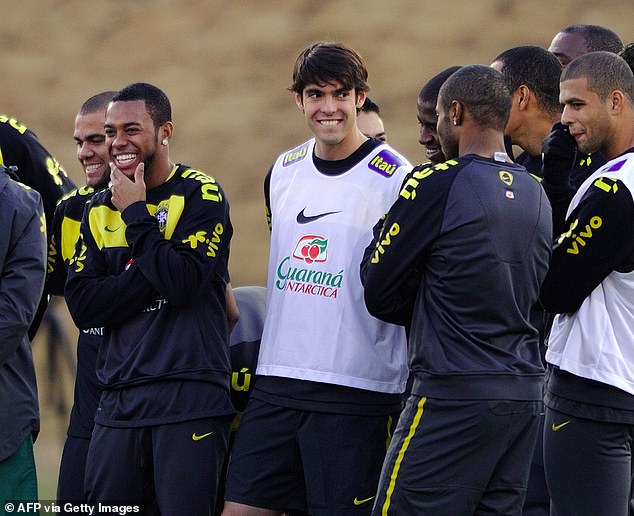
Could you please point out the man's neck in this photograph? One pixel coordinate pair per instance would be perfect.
(621, 140)
(485, 142)
(340, 150)
(533, 139)
(158, 174)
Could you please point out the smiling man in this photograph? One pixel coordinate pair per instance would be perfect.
(330, 376)
(92, 153)
(427, 116)
(151, 266)
(590, 285)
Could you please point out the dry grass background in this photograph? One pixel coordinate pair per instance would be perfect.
(226, 66)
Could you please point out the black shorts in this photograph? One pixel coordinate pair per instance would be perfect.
(589, 466)
(459, 457)
(294, 460)
(72, 470)
(172, 468)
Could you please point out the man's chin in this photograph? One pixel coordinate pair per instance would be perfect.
(435, 156)
(98, 184)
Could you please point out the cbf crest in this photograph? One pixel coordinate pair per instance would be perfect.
(161, 215)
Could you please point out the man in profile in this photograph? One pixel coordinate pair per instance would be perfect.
(590, 286)
(427, 116)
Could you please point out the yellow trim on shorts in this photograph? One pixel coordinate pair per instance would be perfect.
(401, 454)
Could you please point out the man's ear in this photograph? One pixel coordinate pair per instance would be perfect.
(456, 113)
(361, 96)
(617, 101)
(522, 97)
(166, 131)
(299, 101)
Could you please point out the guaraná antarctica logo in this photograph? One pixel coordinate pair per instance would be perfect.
(309, 250)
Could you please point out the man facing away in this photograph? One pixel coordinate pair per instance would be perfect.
(462, 252)
(330, 376)
(151, 266)
(590, 285)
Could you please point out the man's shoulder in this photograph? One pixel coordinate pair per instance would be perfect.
(11, 126)
(74, 202)
(428, 169)
(386, 160)
(195, 179)
(20, 191)
(296, 154)
(620, 168)
(18, 197)
(78, 196)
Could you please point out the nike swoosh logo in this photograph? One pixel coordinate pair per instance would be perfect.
(199, 437)
(111, 230)
(361, 502)
(559, 426)
(305, 219)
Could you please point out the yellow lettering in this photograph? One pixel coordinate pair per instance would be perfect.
(54, 169)
(568, 233)
(246, 382)
(410, 195)
(211, 193)
(21, 128)
(605, 186)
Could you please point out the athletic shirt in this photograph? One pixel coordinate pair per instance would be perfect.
(317, 327)
(464, 249)
(155, 276)
(595, 341)
(244, 345)
(20, 147)
(63, 238)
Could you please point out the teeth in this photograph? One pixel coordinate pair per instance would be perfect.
(93, 167)
(328, 122)
(126, 158)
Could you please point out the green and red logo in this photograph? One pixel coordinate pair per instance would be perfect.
(311, 248)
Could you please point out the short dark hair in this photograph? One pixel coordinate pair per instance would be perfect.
(370, 106)
(98, 102)
(597, 37)
(483, 92)
(323, 63)
(536, 68)
(604, 71)
(628, 54)
(429, 92)
(156, 102)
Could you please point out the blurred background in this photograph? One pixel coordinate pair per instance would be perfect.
(225, 67)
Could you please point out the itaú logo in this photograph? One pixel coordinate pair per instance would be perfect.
(311, 248)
